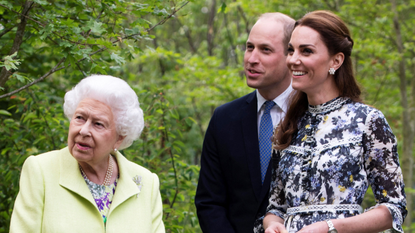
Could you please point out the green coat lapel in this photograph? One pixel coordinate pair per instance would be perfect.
(71, 178)
(126, 187)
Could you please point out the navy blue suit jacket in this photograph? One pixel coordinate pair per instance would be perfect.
(230, 195)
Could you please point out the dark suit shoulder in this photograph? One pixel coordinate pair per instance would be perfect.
(236, 104)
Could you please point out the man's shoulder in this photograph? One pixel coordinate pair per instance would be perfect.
(237, 103)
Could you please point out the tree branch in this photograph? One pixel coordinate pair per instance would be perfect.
(57, 68)
(234, 54)
(189, 37)
(44, 25)
(159, 23)
(37, 80)
(119, 39)
(80, 69)
(5, 31)
(169, 149)
(242, 13)
(22, 14)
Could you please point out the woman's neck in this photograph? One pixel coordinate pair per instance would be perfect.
(97, 173)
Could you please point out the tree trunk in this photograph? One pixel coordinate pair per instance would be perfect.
(187, 33)
(18, 39)
(160, 60)
(408, 130)
(211, 30)
(233, 54)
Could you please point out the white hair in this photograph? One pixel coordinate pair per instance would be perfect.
(115, 93)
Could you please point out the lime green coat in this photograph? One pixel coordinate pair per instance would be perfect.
(54, 198)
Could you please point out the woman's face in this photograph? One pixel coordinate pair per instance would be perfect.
(92, 133)
(309, 62)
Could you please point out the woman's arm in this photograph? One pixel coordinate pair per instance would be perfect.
(373, 221)
(385, 177)
(274, 224)
(28, 208)
(383, 169)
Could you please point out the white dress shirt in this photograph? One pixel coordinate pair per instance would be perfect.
(278, 111)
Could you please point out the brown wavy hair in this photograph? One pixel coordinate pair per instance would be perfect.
(336, 36)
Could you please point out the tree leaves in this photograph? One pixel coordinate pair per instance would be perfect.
(4, 112)
(118, 59)
(10, 63)
(41, 2)
(178, 84)
(96, 27)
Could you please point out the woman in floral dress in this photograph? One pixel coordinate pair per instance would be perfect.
(330, 146)
(89, 186)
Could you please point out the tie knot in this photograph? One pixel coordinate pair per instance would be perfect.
(268, 105)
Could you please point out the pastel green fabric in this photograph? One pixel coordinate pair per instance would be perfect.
(54, 198)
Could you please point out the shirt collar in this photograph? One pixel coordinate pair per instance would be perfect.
(281, 100)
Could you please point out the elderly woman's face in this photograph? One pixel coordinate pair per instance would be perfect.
(92, 133)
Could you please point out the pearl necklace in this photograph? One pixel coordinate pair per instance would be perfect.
(108, 174)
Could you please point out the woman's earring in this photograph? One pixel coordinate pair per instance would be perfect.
(115, 150)
(332, 71)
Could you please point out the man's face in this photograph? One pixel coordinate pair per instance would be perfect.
(264, 60)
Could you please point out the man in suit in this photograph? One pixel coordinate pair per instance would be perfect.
(234, 181)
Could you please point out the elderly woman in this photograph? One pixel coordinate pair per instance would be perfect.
(330, 146)
(89, 186)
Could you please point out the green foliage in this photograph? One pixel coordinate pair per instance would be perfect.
(33, 123)
(90, 37)
(9, 62)
(181, 71)
(161, 149)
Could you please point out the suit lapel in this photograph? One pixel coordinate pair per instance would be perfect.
(250, 136)
(71, 178)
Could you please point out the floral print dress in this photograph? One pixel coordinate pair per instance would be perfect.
(339, 149)
(102, 195)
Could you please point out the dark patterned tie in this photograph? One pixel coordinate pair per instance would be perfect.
(265, 133)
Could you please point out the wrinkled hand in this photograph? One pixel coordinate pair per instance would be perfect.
(318, 227)
(276, 227)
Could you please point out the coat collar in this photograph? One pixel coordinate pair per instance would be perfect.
(126, 187)
(70, 176)
(71, 179)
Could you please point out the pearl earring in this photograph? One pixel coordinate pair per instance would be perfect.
(332, 71)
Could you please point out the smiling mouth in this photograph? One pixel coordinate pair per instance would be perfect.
(299, 73)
